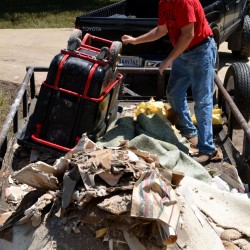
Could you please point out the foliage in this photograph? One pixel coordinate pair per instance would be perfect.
(45, 13)
(4, 106)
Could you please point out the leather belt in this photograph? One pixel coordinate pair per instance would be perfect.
(206, 40)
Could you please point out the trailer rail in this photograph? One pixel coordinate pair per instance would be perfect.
(27, 90)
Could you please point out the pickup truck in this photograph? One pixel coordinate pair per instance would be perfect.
(235, 93)
(229, 20)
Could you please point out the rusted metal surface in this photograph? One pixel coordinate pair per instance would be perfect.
(11, 120)
(237, 114)
(13, 114)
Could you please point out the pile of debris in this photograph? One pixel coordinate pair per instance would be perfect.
(133, 198)
(122, 188)
(123, 192)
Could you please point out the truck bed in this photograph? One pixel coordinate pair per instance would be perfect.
(126, 17)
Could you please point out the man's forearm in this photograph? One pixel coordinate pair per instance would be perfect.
(152, 35)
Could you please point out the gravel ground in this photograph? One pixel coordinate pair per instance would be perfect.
(36, 47)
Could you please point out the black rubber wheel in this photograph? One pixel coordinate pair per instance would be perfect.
(104, 52)
(75, 40)
(115, 52)
(237, 84)
(244, 51)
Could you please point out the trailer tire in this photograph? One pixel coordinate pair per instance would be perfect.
(115, 53)
(244, 51)
(237, 84)
(75, 40)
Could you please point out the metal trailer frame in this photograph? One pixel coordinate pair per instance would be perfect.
(19, 110)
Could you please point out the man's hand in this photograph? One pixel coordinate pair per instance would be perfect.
(128, 39)
(167, 63)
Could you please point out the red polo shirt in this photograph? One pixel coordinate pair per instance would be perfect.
(179, 13)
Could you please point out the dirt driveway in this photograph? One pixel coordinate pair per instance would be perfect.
(28, 47)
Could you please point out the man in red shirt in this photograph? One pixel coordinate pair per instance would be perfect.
(192, 60)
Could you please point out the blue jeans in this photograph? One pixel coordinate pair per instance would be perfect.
(194, 68)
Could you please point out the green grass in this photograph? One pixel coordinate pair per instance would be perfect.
(17, 14)
(4, 106)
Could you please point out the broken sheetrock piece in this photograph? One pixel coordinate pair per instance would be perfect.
(177, 177)
(88, 179)
(4, 174)
(243, 244)
(148, 157)
(132, 156)
(111, 244)
(182, 241)
(85, 145)
(219, 183)
(14, 194)
(124, 187)
(231, 234)
(90, 194)
(109, 178)
(102, 157)
(75, 196)
(188, 197)
(35, 211)
(36, 219)
(229, 174)
(101, 232)
(68, 189)
(38, 175)
(171, 177)
(133, 242)
(153, 199)
(229, 245)
(10, 180)
(4, 217)
(167, 233)
(117, 204)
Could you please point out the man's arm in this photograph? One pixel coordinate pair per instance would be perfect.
(187, 35)
(150, 36)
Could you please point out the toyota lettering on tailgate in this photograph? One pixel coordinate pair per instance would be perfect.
(92, 29)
